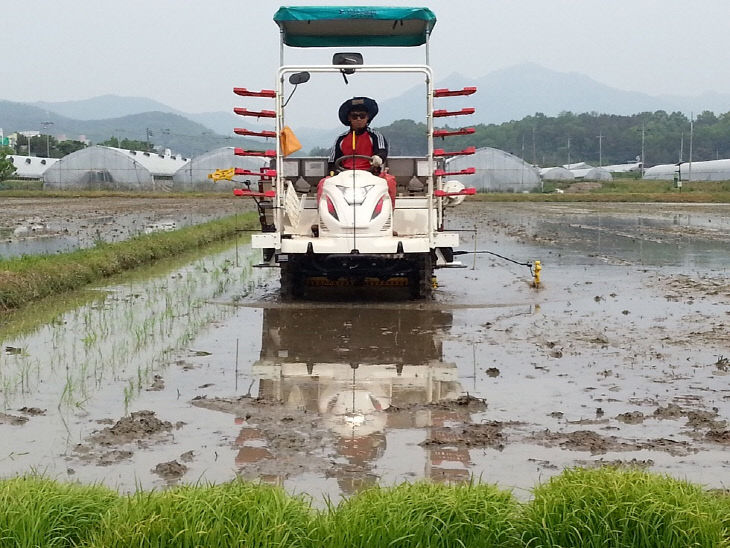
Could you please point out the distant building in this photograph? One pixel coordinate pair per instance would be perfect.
(5, 141)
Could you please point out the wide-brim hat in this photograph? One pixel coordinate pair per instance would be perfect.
(358, 103)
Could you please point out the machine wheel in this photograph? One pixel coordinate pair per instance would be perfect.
(420, 281)
(292, 281)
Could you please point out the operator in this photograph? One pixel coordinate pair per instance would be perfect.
(360, 139)
(357, 113)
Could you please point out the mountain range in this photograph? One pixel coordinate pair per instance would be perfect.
(523, 90)
(507, 94)
(134, 120)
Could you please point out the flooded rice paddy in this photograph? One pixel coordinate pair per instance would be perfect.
(33, 226)
(195, 370)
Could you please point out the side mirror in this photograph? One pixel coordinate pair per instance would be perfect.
(299, 78)
(296, 79)
(347, 59)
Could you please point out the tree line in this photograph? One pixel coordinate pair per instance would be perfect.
(46, 145)
(589, 137)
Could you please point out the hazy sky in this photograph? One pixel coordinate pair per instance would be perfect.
(189, 54)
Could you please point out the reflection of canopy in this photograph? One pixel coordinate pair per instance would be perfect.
(331, 26)
(361, 371)
(351, 366)
(339, 335)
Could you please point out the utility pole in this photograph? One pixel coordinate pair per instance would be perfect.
(600, 149)
(46, 125)
(149, 132)
(534, 155)
(522, 157)
(643, 131)
(681, 148)
(165, 132)
(691, 135)
(568, 152)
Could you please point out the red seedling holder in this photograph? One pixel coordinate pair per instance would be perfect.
(262, 173)
(470, 191)
(450, 132)
(243, 92)
(443, 92)
(467, 171)
(252, 194)
(255, 113)
(249, 133)
(264, 153)
(462, 112)
(442, 153)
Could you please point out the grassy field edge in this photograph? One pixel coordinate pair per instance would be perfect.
(618, 190)
(591, 508)
(27, 279)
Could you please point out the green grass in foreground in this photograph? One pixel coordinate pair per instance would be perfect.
(232, 514)
(580, 508)
(21, 184)
(422, 514)
(37, 511)
(618, 190)
(598, 508)
(30, 278)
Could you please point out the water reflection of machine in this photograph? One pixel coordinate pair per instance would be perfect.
(365, 372)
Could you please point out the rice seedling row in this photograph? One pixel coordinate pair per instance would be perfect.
(588, 508)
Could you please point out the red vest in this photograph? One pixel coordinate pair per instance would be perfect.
(363, 146)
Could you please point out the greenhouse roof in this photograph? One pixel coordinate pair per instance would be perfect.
(158, 164)
(332, 26)
(31, 167)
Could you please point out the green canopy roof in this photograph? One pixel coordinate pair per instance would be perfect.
(333, 26)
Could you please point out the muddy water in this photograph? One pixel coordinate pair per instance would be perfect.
(621, 356)
(34, 226)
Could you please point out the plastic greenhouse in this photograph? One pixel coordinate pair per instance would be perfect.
(194, 174)
(624, 168)
(109, 168)
(713, 170)
(592, 174)
(496, 171)
(556, 174)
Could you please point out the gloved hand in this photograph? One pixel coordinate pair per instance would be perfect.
(376, 161)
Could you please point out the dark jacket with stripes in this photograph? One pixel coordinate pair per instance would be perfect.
(379, 147)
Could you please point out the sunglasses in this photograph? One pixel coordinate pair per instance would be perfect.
(356, 115)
